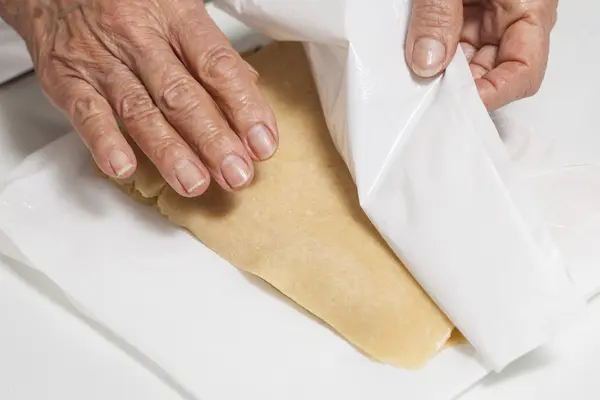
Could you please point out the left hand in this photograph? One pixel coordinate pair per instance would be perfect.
(506, 42)
(165, 71)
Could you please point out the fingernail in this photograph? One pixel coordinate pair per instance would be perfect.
(119, 162)
(428, 57)
(189, 175)
(261, 142)
(235, 171)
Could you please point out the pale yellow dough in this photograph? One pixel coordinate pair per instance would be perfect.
(300, 228)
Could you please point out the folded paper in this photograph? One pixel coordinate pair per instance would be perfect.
(432, 173)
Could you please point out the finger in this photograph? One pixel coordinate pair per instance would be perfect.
(520, 66)
(229, 80)
(469, 36)
(195, 116)
(468, 50)
(483, 61)
(499, 15)
(93, 118)
(144, 122)
(433, 35)
(471, 29)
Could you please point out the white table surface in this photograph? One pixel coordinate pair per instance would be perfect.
(48, 351)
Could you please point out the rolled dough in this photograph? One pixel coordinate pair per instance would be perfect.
(300, 228)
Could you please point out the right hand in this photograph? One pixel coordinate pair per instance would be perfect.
(164, 71)
(506, 43)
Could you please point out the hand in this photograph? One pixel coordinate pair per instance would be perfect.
(505, 41)
(166, 72)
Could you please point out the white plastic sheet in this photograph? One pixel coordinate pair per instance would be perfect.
(431, 171)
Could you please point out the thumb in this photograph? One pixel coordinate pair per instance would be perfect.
(433, 35)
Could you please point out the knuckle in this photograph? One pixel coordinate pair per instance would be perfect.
(219, 62)
(136, 105)
(91, 121)
(244, 108)
(85, 111)
(212, 141)
(178, 97)
(433, 14)
(165, 148)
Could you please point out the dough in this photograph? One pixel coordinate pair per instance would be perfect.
(300, 228)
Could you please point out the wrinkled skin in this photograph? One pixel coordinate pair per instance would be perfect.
(506, 42)
(163, 70)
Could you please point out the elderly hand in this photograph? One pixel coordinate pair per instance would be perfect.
(506, 42)
(165, 71)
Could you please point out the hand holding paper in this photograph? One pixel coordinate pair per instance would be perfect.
(505, 41)
(432, 173)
